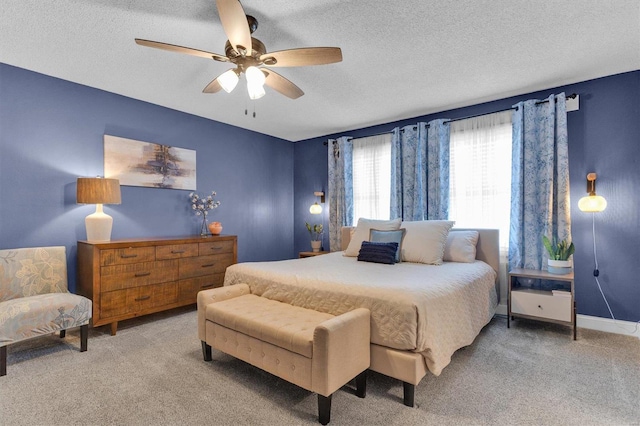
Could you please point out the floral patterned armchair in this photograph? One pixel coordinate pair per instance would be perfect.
(34, 299)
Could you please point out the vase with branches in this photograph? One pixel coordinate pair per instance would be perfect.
(201, 206)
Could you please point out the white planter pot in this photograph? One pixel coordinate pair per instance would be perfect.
(559, 267)
(316, 246)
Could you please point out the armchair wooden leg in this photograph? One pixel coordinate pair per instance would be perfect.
(206, 351)
(3, 361)
(409, 394)
(63, 334)
(84, 336)
(361, 384)
(324, 409)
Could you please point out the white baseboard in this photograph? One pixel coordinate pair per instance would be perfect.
(626, 328)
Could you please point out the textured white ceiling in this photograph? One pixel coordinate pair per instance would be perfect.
(401, 58)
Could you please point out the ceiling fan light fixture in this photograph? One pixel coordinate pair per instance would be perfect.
(255, 91)
(228, 80)
(255, 77)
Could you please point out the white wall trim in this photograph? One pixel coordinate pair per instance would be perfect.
(626, 328)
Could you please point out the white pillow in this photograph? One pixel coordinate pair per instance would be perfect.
(362, 232)
(425, 240)
(461, 246)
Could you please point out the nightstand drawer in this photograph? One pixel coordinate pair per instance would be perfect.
(541, 304)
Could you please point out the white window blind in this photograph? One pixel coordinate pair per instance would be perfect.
(372, 177)
(480, 174)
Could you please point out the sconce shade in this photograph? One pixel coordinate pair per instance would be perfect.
(98, 191)
(592, 203)
(315, 208)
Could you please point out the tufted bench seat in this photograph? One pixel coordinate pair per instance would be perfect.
(317, 351)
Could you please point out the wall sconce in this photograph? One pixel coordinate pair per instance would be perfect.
(592, 203)
(98, 191)
(315, 207)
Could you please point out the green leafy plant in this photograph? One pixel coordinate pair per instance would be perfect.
(558, 250)
(315, 231)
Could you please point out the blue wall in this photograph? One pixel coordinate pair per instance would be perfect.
(604, 137)
(51, 132)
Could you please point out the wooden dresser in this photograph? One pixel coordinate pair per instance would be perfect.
(129, 278)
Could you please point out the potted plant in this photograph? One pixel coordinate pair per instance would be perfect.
(315, 231)
(559, 254)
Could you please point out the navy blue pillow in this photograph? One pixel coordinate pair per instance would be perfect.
(378, 252)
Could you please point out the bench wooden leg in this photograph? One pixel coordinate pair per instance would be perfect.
(361, 384)
(409, 394)
(324, 409)
(84, 337)
(63, 334)
(206, 351)
(3, 361)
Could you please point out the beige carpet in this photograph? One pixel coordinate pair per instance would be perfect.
(152, 372)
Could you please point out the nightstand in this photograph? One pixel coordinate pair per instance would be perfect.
(311, 253)
(552, 305)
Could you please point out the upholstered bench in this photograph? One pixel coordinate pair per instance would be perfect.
(34, 299)
(317, 351)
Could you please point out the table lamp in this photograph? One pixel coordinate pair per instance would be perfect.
(98, 191)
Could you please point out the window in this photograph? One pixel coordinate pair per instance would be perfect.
(480, 174)
(372, 177)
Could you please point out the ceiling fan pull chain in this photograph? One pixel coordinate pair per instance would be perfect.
(254, 110)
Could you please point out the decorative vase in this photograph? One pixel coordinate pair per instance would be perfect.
(316, 245)
(204, 231)
(559, 267)
(215, 228)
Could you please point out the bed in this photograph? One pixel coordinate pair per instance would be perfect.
(420, 314)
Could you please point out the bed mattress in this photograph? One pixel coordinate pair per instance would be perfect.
(432, 310)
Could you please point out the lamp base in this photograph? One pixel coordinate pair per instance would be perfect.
(98, 225)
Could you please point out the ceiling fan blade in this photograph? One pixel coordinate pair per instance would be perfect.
(302, 57)
(234, 23)
(180, 49)
(281, 84)
(213, 87)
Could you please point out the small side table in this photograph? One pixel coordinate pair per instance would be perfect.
(311, 253)
(541, 305)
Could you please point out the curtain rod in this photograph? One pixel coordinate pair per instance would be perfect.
(571, 96)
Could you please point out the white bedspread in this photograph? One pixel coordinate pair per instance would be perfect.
(433, 310)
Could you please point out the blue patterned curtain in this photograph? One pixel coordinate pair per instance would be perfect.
(539, 180)
(420, 171)
(408, 172)
(340, 155)
(438, 170)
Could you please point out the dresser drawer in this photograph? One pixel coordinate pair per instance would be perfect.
(541, 304)
(176, 251)
(188, 289)
(138, 274)
(128, 255)
(215, 247)
(205, 265)
(137, 300)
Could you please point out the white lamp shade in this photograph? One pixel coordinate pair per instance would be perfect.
(255, 76)
(255, 92)
(228, 80)
(315, 208)
(592, 204)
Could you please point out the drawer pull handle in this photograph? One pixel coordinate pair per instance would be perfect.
(206, 286)
(540, 307)
(208, 265)
(216, 248)
(177, 251)
(140, 299)
(142, 274)
(128, 256)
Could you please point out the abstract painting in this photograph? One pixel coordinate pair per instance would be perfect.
(136, 163)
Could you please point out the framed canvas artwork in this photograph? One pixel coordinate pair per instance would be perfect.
(136, 163)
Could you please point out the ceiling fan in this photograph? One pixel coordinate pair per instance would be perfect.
(250, 56)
